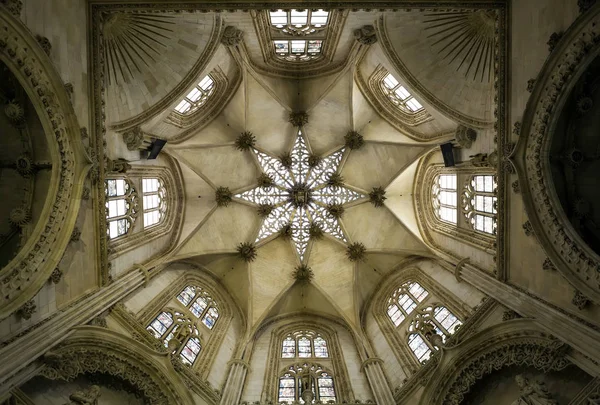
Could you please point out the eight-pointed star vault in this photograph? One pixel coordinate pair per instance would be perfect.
(301, 194)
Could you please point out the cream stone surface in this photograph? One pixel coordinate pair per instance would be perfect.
(88, 323)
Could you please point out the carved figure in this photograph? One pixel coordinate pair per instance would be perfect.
(533, 393)
(305, 382)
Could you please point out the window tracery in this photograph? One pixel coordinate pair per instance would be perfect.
(197, 97)
(121, 206)
(480, 203)
(153, 201)
(298, 377)
(200, 304)
(428, 321)
(178, 333)
(444, 194)
(399, 95)
(299, 22)
(404, 300)
(304, 344)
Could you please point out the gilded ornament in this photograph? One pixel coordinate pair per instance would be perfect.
(303, 273)
(377, 196)
(356, 252)
(298, 118)
(264, 210)
(245, 141)
(354, 140)
(246, 251)
(264, 180)
(335, 210)
(223, 196)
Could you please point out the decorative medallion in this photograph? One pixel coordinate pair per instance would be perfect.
(301, 195)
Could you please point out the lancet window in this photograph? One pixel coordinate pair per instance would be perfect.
(304, 344)
(200, 304)
(153, 201)
(197, 97)
(445, 197)
(121, 206)
(480, 203)
(179, 333)
(430, 321)
(399, 95)
(306, 376)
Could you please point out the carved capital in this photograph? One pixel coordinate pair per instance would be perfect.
(365, 35)
(117, 166)
(465, 136)
(232, 36)
(133, 138)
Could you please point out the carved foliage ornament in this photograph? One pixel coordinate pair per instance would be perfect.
(232, 36)
(365, 35)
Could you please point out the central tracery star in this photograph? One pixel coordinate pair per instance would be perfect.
(301, 194)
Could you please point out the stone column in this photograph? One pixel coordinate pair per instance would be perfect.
(232, 392)
(379, 385)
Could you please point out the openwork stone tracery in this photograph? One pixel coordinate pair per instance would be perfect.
(300, 195)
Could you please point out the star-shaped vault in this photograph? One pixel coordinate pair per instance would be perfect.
(301, 194)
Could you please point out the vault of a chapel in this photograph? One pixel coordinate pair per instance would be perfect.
(148, 55)
(379, 230)
(304, 298)
(227, 72)
(400, 199)
(221, 232)
(331, 117)
(199, 197)
(451, 65)
(334, 276)
(371, 271)
(270, 276)
(378, 164)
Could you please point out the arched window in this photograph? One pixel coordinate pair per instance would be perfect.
(197, 97)
(121, 207)
(300, 376)
(200, 304)
(178, 333)
(445, 197)
(404, 300)
(399, 95)
(153, 201)
(480, 203)
(304, 344)
(430, 320)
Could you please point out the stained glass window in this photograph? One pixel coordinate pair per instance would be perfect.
(121, 207)
(290, 385)
(153, 201)
(304, 349)
(304, 344)
(444, 197)
(201, 304)
(480, 203)
(298, 49)
(432, 319)
(404, 300)
(399, 95)
(197, 97)
(170, 323)
(300, 194)
(299, 22)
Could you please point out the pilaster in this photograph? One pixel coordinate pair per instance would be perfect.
(232, 392)
(379, 385)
